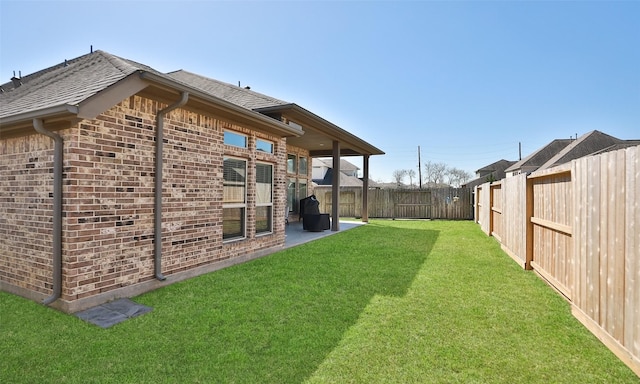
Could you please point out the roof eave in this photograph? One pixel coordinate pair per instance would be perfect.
(15, 124)
(234, 111)
(327, 128)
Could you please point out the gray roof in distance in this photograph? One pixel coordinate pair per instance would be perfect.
(541, 156)
(585, 145)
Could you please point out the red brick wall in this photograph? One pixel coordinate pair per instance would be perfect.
(26, 185)
(109, 200)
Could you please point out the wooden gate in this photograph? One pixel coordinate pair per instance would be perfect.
(412, 204)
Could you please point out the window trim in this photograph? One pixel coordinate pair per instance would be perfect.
(270, 143)
(267, 204)
(235, 134)
(242, 205)
(294, 157)
(306, 165)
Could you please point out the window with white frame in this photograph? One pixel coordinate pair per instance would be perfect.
(236, 139)
(291, 163)
(292, 201)
(302, 165)
(234, 198)
(302, 189)
(264, 198)
(264, 146)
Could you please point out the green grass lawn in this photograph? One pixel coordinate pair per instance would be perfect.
(389, 302)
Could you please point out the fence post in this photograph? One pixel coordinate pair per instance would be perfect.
(490, 209)
(528, 215)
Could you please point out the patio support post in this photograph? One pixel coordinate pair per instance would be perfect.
(335, 191)
(365, 189)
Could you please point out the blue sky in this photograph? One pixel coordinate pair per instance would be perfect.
(464, 80)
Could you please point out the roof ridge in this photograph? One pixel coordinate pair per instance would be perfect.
(124, 66)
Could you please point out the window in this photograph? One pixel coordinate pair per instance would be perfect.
(235, 139)
(291, 195)
(234, 198)
(302, 162)
(264, 146)
(264, 197)
(291, 164)
(302, 188)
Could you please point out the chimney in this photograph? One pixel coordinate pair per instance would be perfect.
(17, 81)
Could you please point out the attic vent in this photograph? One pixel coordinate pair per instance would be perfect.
(17, 81)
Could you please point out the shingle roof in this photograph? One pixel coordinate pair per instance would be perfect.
(327, 162)
(237, 95)
(67, 83)
(493, 172)
(585, 145)
(624, 144)
(345, 181)
(541, 156)
(499, 165)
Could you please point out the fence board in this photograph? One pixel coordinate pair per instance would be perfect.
(427, 203)
(483, 202)
(580, 224)
(514, 222)
(632, 253)
(496, 203)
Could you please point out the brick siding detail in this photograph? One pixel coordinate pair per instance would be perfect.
(108, 200)
(26, 182)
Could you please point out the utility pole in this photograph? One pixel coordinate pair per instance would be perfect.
(419, 168)
(519, 150)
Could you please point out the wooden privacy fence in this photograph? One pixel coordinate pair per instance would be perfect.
(428, 203)
(578, 226)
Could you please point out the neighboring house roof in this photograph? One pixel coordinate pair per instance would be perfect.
(498, 166)
(345, 166)
(345, 180)
(539, 157)
(491, 172)
(615, 147)
(585, 145)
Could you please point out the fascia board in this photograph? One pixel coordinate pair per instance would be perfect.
(110, 96)
(326, 127)
(46, 113)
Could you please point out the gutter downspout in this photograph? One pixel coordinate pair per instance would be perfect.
(38, 125)
(157, 231)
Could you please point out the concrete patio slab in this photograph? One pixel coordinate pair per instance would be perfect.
(295, 235)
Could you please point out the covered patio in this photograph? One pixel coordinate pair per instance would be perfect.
(295, 235)
(322, 138)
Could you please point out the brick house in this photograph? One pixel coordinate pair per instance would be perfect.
(100, 156)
